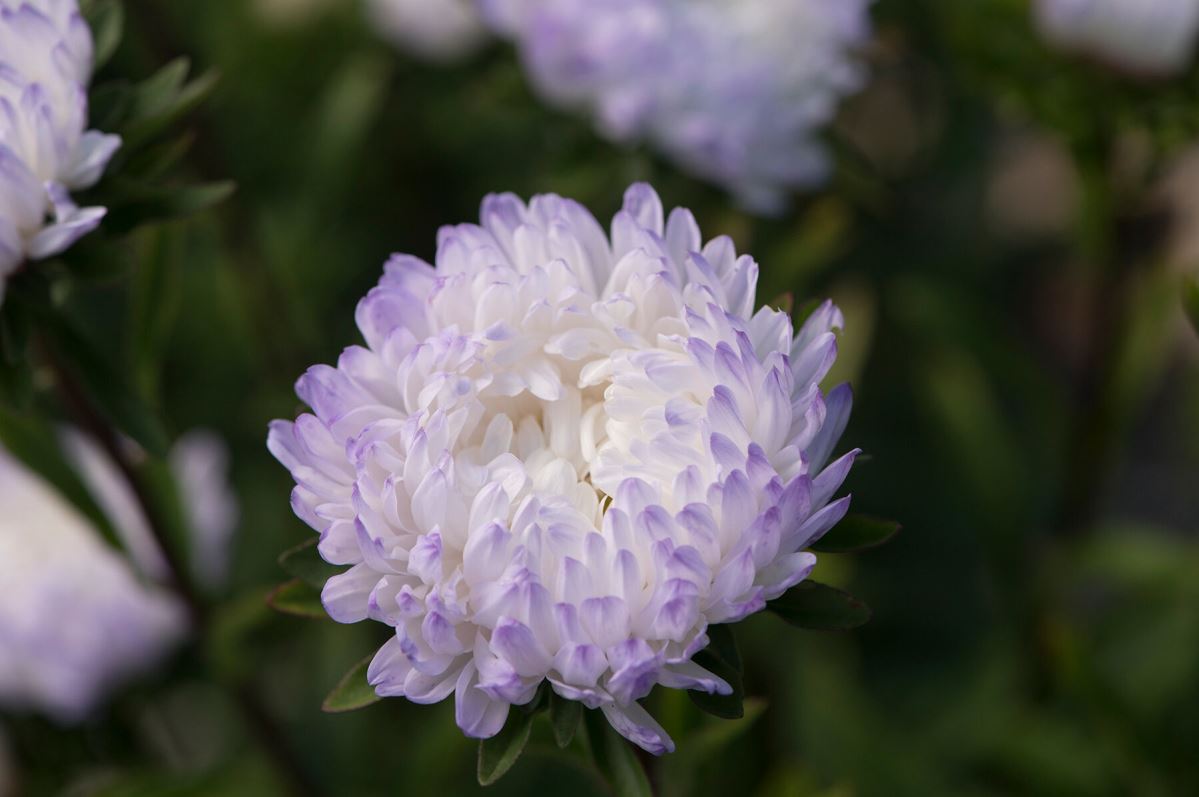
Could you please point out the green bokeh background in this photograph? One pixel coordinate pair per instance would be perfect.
(1027, 400)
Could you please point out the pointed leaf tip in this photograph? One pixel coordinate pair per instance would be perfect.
(857, 533)
(498, 754)
(353, 691)
(819, 607)
(297, 599)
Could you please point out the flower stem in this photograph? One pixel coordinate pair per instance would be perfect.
(254, 713)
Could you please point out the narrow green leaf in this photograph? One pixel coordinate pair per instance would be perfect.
(156, 93)
(305, 563)
(297, 599)
(857, 533)
(157, 292)
(819, 607)
(106, 18)
(1190, 300)
(723, 706)
(564, 716)
(723, 643)
(105, 385)
(500, 752)
(352, 691)
(614, 758)
(164, 98)
(135, 205)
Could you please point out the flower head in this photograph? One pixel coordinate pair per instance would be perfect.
(1152, 37)
(45, 66)
(562, 454)
(734, 91)
(437, 30)
(76, 619)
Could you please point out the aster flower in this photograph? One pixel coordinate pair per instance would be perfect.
(45, 152)
(437, 30)
(76, 619)
(562, 455)
(735, 92)
(54, 565)
(1152, 37)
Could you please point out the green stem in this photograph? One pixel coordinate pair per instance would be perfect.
(254, 713)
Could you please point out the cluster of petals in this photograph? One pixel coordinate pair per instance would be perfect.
(79, 617)
(563, 454)
(734, 91)
(1150, 37)
(45, 151)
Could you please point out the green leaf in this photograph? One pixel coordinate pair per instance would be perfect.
(156, 299)
(723, 643)
(857, 533)
(104, 385)
(134, 205)
(564, 717)
(819, 607)
(106, 18)
(352, 691)
(721, 658)
(164, 98)
(614, 758)
(305, 563)
(500, 752)
(297, 599)
(1190, 300)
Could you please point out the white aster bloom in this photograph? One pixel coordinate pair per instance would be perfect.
(75, 620)
(735, 91)
(1154, 37)
(562, 455)
(437, 30)
(45, 152)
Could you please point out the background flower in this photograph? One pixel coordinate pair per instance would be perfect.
(80, 617)
(45, 152)
(76, 620)
(562, 456)
(1147, 36)
(439, 30)
(735, 92)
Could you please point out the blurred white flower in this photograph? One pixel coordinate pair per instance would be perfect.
(562, 456)
(735, 91)
(75, 620)
(1153, 37)
(437, 30)
(45, 66)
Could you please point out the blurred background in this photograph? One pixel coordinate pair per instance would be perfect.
(1008, 230)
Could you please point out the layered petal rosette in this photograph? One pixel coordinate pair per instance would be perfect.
(735, 91)
(1152, 37)
(563, 454)
(45, 149)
